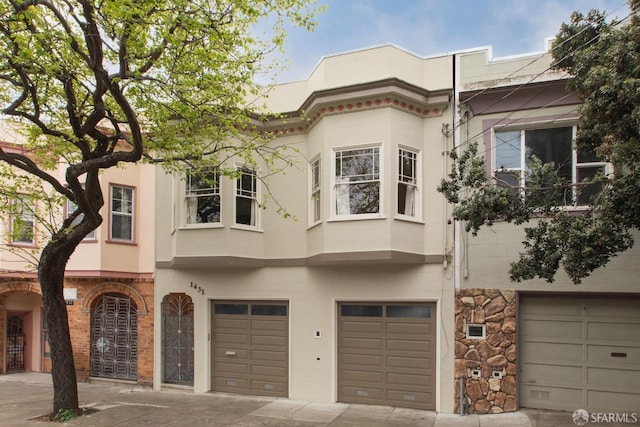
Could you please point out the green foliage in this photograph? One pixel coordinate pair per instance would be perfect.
(603, 59)
(65, 415)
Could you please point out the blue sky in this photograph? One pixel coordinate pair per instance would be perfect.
(432, 27)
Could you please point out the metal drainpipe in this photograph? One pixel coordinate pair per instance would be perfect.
(464, 405)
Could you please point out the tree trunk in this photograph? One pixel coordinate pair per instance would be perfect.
(53, 261)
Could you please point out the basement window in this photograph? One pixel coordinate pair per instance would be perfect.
(476, 332)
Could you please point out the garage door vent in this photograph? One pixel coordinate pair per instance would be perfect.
(539, 395)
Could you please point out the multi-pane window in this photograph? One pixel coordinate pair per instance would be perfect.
(203, 197)
(357, 181)
(70, 208)
(315, 191)
(121, 213)
(515, 149)
(246, 198)
(23, 222)
(407, 182)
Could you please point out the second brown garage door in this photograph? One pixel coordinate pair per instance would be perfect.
(386, 354)
(250, 342)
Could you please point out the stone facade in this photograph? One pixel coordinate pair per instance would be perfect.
(488, 364)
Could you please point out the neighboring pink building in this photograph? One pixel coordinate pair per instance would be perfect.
(109, 285)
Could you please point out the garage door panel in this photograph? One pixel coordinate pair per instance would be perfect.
(411, 397)
(406, 328)
(262, 371)
(233, 338)
(268, 388)
(608, 307)
(361, 359)
(222, 352)
(409, 362)
(559, 398)
(230, 367)
(362, 343)
(552, 352)
(408, 345)
(362, 394)
(613, 331)
(552, 374)
(618, 378)
(271, 326)
(608, 401)
(268, 355)
(549, 306)
(360, 376)
(565, 330)
(614, 355)
(234, 322)
(388, 359)
(408, 379)
(371, 327)
(269, 341)
(231, 384)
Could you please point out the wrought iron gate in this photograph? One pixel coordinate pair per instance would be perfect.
(15, 348)
(177, 339)
(114, 338)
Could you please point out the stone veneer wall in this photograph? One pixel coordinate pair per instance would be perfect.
(496, 309)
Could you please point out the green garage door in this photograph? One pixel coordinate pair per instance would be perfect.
(580, 352)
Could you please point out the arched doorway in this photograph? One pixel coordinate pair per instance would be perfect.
(15, 343)
(114, 337)
(177, 339)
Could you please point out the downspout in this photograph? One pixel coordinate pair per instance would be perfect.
(463, 405)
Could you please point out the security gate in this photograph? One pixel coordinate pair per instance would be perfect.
(15, 348)
(114, 338)
(177, 339)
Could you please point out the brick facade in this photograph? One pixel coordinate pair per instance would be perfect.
(140, 292)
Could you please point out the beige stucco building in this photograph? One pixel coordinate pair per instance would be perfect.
(352, 300)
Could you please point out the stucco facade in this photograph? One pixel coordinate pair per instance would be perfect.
(375, 102)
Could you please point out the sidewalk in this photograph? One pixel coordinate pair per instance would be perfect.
(24, 397)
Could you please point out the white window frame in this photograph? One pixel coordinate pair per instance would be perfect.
(405, 180)
(70, 207)
(215, 191)
(315, 191)
(29, 217)
(113, 213)
(335, 215)
(522, 146)
(253, 194)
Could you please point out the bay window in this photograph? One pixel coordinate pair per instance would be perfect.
(315, 205)
(357, 181)
(203, 197)
(408, 183)
(246, 198)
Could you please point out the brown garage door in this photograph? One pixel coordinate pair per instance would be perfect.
(250, 347)
(580, 352)
(387, 354)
